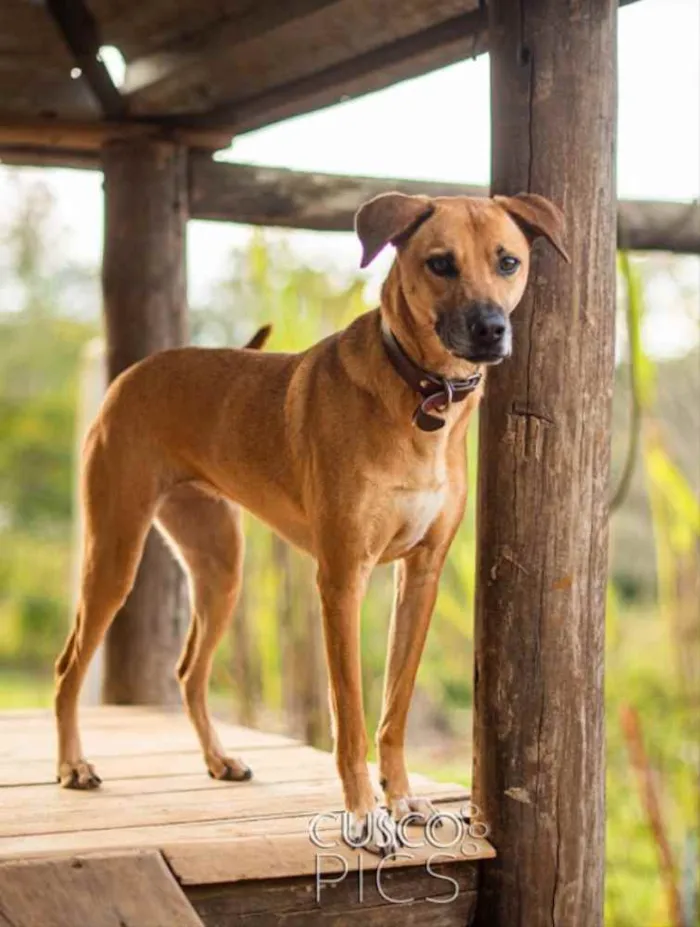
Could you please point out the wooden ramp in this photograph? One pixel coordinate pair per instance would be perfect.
(163, 845)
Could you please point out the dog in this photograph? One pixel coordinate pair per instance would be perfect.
(353, 451)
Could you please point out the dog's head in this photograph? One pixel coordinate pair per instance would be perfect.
(461, 268)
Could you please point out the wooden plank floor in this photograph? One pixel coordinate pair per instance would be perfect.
(156, 796)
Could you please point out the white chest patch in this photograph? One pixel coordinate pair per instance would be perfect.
(418, 510)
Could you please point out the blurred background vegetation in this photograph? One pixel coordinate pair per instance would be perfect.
(49, 320)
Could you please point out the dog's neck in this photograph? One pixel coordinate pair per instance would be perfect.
(436, 393)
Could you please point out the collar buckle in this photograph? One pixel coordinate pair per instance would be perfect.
(438, 392)
(449, 395)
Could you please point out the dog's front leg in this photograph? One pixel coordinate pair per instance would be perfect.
(416, 582)
(341, 593)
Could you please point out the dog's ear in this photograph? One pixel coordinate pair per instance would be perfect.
(537, 217)
(389, 217)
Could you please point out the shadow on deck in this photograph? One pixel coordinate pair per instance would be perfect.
(162, 845)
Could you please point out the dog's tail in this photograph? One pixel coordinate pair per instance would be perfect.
(259, 339)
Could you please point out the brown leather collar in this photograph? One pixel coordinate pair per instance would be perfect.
(438, 392)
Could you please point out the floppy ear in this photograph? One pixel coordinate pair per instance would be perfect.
(537, 217)
(389, 217)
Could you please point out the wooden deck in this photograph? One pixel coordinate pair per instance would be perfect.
(162, 845)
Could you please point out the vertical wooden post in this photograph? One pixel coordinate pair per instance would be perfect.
(144, 288)
(543, 480)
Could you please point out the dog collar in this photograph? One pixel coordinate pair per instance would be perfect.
(438, 392)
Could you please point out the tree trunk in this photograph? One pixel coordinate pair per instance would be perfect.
(543, 478)
(144, 288)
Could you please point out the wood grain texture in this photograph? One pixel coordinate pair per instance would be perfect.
(290, 57)
(318, 58)
(335, 34)
(86, 137)
(458, 913)
(286, 855)
(125, 856)
(125, 890)
(143, 281)
(236, 899)
(186, 772)
(251, 801)
(35, 66)
(336, 72)
(126, 738)
(400, 897)
(185, 58)
(156, 795)
(543, 481)
(225, 827)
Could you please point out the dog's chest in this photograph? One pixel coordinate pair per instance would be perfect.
(416, 510)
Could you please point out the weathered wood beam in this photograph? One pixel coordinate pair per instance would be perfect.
(277, 197)
(658, 226)
(87, 136)
(80, 30)
(327, 202)
(144, 289)
(29, 156)
(444, 43)
(544, 451)
(190, 56)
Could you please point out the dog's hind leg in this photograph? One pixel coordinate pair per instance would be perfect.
(118, 511)
(207, 534)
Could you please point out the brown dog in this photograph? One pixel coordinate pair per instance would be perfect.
(353, 450)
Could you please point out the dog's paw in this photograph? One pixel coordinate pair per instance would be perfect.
(80, 775)
(410, 810)
(228, 769)
(375, 832)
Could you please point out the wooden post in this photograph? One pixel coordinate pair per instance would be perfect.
(543, 480)
(144, 287)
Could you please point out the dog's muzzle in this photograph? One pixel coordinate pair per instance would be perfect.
(479, 332)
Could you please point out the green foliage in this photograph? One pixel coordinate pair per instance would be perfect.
(20, 689)
(38, 395)
(40, 348)
(655, 667)
(639, 673)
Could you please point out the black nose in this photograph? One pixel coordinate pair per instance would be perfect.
(478, 332)
(487, 326)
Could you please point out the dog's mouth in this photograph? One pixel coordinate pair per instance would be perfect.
(490, 358)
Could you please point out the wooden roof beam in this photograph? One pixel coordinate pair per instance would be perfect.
(447, 42)
(179, 58)
(279, 197)
(56, 136)
(80, 31)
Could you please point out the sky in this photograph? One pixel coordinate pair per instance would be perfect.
(658, 143)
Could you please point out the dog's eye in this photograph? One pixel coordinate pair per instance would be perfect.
(442, 265)
(507, 265)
